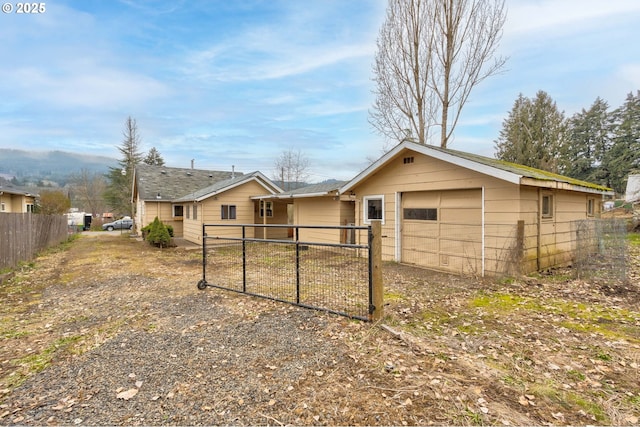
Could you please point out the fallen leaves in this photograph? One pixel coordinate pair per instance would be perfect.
(127, 394)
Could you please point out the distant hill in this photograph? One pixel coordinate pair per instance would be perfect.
(50, 165)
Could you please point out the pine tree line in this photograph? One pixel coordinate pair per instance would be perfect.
(597, 144)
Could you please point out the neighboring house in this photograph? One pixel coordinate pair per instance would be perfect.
(155, 189)
(632, 193)
(13, 200)
(229, 202)
(464, 213)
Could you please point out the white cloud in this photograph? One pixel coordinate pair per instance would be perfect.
(565, 16)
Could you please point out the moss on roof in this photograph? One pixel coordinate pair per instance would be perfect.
(525, 171)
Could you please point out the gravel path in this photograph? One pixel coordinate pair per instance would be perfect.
(109, 331)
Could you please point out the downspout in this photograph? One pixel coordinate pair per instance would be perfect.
(483, 232)
(398, 231)
(539, 242)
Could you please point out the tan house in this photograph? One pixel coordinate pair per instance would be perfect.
(317, 204)
(13, 200)
(464, 213)
(155, 189)
(229, 202)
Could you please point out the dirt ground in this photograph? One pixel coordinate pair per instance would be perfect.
(107, 330)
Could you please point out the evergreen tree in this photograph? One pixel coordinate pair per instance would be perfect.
(154, 158)
(514, 143)
(588, 141)
(120, 187)
(533, 134)
(624, 156)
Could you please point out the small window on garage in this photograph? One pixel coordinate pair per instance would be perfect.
(228, 212)
(547, 206)
(421, 214)
(373, 208)
(188, 212)
(591, 207)
(178, 210)
(195, 211)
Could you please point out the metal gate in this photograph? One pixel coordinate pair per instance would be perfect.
(307, 270)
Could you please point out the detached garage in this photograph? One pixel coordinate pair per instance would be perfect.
(468, 214)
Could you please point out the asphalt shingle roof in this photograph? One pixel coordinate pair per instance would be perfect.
(220, 185)
(172, 183)
(316, 188)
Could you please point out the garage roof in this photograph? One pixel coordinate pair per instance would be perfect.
(507, 171)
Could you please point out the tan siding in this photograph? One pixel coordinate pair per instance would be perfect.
(209, 212)
(319, 211)
(15, 203)
(546, 242)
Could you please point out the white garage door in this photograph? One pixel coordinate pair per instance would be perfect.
(442, 229)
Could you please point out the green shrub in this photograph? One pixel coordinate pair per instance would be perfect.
(146, 229)
(158, 235)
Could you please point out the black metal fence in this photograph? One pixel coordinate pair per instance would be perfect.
(286, 263)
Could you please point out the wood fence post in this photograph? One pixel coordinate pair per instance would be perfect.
(520, 246)
(376, 271)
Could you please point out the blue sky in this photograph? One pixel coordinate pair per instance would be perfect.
(238, 82)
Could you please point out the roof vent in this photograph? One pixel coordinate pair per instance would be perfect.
(189, 173)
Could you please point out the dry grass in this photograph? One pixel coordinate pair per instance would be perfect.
(110, 314)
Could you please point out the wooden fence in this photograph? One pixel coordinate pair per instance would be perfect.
(23, 235)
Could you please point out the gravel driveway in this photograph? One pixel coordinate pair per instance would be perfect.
(110, 331)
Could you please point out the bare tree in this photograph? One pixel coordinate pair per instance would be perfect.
(86, 189)
(291, 169)
(431, 54)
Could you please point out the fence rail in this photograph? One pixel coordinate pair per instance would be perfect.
(320, 275)
(23, 235)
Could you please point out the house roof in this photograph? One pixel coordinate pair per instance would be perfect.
(160, 183)
(507, 171)
(227, 184)
(313, 190)
(16, 191)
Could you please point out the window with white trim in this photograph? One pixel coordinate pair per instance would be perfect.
(195, 211)
(547, 206)
(228, 212)
(268, 206)
(188, 212)
(591, 206)
(373, 208)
